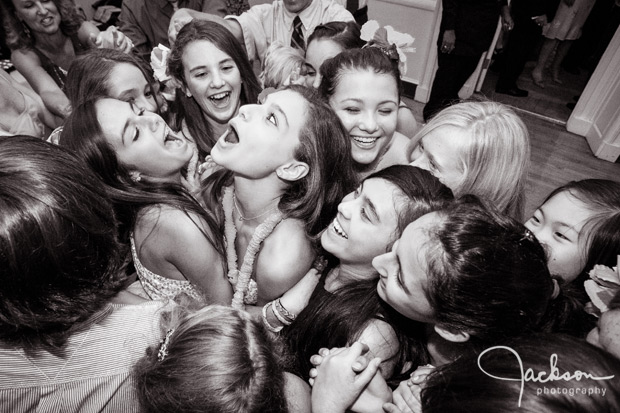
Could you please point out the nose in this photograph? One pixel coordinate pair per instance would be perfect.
(368, 123)
(217, 81)
(385, 263)
(345, 208)
(143, 103)
(317, 81)
(153, 121)
(41, 8)
(420, 161)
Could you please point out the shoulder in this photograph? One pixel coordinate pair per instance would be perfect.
(175, 225)
(297, 394)
(24, 56)
(288, 236)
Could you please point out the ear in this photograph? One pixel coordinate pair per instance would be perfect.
(460, 337)
(186, 91)
(293, 171)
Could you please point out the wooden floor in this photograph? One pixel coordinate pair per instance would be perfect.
(557, 158)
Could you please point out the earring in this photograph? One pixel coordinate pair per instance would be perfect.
(135, 176)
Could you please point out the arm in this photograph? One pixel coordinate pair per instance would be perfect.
(111, 38)
(29, 65)
(130, 26)
(176, 246)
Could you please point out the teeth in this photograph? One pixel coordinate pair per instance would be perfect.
(219, 96)
(339, 229)
(365, 140)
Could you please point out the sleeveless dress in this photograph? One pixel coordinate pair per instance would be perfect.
(158, 287)
(56, 72)
(27, 122)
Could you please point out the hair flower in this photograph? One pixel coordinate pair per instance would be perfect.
(159, 62)
(388, 39)
(603, 285)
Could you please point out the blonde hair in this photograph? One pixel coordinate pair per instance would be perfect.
(496, 158)
(217, 359)
(280, 62)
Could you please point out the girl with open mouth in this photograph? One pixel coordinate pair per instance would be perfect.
(216, 78)
(287, 165)
(175, 243)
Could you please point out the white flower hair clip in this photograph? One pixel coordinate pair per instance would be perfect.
(603, 285)
(159, 64)
(388, 39)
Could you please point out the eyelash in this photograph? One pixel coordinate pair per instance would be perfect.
(274, 121)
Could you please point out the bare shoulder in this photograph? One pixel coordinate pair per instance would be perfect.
(25, 58)
(298, 395)
(382, 342)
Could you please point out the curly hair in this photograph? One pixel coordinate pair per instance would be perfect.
(218, 359)
(16, 35)
(59, 256)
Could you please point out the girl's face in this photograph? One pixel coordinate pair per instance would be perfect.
(129, 85)
(404, 271)
(263, 138)
(558, 225)
(213, 80)
(40, 16)
(319, 51)
(142, 140)
(606, 334)
(439, 152)
(366, 223)
(367, 105)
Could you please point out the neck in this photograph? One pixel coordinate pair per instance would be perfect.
(346, 273)
(50, 42)
(255, 196)
(441, 350)
(217, 129)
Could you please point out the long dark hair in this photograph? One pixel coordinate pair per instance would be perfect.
(336, 320)
(185, 108)
(60, 262)
(324, 147)
(82, 133)
(89, 75)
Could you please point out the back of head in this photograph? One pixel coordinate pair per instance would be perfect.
(279, 63)
(467, 384)
(346, 34)
(59, 257)
(89, 74)
(422, 193)
(325, 147)
(372, 59)
(215, 359)
(496, 158)
(488, 275)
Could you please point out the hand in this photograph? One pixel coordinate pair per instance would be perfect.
(297, 298)
(112, 38)
(207, 168)
(406, 397)
(540, 20)
(337, 386)
(179, 19)
(360, 364)
(448, 42)
(507, 23)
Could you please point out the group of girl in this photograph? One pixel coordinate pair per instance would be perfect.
(315, 215)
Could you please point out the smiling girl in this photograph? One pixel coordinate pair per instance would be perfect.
(288, 165)
(216, 78)
(363, 87)
(173, 241)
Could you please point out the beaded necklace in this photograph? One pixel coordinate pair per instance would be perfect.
(240, 279)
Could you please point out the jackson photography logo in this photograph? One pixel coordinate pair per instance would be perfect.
(544, 377)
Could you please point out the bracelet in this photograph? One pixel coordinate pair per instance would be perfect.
(279, 316)
(266, 322)
(288, 315)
